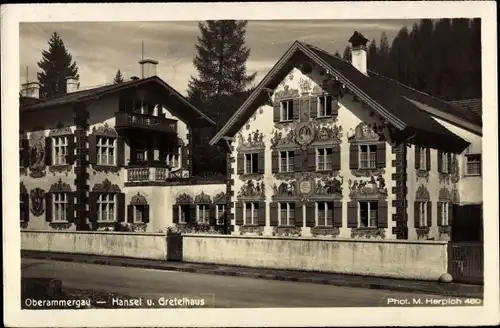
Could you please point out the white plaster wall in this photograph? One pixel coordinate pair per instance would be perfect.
(350, 114)
(395, 259)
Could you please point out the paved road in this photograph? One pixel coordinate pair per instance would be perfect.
(219, 291)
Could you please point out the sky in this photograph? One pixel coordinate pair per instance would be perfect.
(101, 48)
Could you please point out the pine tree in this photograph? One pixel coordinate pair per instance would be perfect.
(347, 55)
(57, 64)
(372, 62)
(221, 60)
(118, 77)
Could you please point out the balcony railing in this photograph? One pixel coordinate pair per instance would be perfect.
(148, 122)
(141, 174)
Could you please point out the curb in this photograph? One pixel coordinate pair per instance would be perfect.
(266, 276)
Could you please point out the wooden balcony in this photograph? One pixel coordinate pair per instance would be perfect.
(161, 176)
(136, 121)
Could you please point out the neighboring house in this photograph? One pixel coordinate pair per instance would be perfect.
(116, 157)
(324, 147)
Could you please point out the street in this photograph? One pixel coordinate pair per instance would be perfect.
(219, 291)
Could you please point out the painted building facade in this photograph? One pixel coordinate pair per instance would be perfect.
(326, 148)
(117, 157)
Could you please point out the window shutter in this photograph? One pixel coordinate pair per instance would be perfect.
(299, 220)
(175, 214)
(145, 217)
(273, 215)
(238, 220)
(70, 158)
(93, 196)
(381, 147)
(70, 209)
(184, 155)
(120, 149)
(314, 106)
(277, 109)
(353, 158)
(130, 213)
(48, 151)
(336, 158)
(92, 149)
(212, 220)
(311, 159)
(439, 214)
(382, 214)
(429, 214)
(240, 163)
(335, 106)
(25, 144)
(416, 214)
(262, 214)
(192, 214)
(25, 207)
(440, 161)
(275, 161)
(311, 214)
(417, 157)
(120, 203)
(48, 207)
(450, 214)
(298, 157)
(337, 213)
(352, 214)
(261, 162)
(296, 109)
(428, 159)
(449, 162)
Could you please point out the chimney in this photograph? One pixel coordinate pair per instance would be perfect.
(30, 90)
(72, 84)
(148, 68)
(358, 50)
(134, 78)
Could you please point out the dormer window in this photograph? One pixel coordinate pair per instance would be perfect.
(286, 110)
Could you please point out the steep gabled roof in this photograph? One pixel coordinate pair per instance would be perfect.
(473, 105)
(409, 120)
(96, 93)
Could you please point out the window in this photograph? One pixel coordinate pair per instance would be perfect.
(251, 163)
(368, 156)
(105, 151)
(60, 205)
(138, 213)
(251, 213)
(203, 212)
(324, 159)
(60, 150)
(444, 159)
(422, 214)
(443, 213)
(423, 159)
(106, 207)
(183, 213)
(473, 166)
(324, 106)
(286, 110)
(172, 158)
(324, 214)
(286, 161)
(287, 214)
(368, 214)
(221, 210)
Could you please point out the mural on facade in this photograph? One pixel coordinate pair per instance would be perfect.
(372, 188)
(37, 164)
(252, 188)
(255, 140)
(37, 200)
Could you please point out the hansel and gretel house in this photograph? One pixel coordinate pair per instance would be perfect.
(116, 157)
(326, 148)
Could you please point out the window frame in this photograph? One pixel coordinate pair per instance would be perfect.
(445, 215)
(369, 153)
(58, 146)
(101, 202)
(205, 210)
(288, 110)
(422, 214)
(423, 159)
(254, 210)
(467, 163)
(220, 209)
(290, 214)
(253, 170)
(444, 162)
(325, 163)
(290, 161)
(62, 204)
(369, 212)
(328, 205)
(328, 104)
(106, 147)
